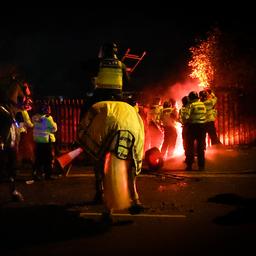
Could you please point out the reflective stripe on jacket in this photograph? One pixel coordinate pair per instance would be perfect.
(44, 128)
(110, 74)
(197, 112)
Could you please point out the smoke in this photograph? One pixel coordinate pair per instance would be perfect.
(178, 90)
(170, 91)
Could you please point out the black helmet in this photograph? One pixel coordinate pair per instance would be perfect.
(185, 100)
(193, 96)
(166, 104)
(203, 95)
(43, 108)
(109, 49)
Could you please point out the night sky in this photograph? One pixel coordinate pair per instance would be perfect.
(53, 46)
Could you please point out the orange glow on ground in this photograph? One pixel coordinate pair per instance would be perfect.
(179, 150)
(176, 187)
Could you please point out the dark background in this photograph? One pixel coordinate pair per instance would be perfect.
(54, 45)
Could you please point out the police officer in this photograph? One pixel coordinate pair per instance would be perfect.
(196, 132)
(209, 99)
(43, 135)
(110, 77)
(183, 119)
(154, 125)
(168, 118)
(112, 74)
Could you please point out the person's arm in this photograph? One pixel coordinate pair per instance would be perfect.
(51, 124)
(26, 118)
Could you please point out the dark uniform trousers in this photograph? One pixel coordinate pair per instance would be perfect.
(211, 131)
(170, 137)
(196, 134)
(184, 135)
(44, 158)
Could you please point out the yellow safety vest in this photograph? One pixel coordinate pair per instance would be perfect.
(154, 113)
(211, 112)
(110, 75)
(44, 128)
(183, 115)
(197, 112)
(167, 118)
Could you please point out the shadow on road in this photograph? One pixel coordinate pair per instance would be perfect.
(23, 226)
(244, 213)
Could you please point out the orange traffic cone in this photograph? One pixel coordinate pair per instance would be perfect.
(67, 158)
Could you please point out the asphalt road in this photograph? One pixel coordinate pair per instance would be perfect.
(186, 213)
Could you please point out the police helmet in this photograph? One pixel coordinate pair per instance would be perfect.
(185, 100)
(109, 49)
(166, 104)
(203, 95)
(193, 96)
(44, 108)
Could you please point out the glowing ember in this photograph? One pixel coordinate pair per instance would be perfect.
(202, 62)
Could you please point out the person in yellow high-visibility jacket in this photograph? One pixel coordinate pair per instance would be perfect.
(209, 99)
(109, 78)
(112, 133)
(154, 128)
(168, 118)
(183, 119)
(196, 132)
(25, 146)
(44, 138)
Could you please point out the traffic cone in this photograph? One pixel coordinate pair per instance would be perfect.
(67, 158)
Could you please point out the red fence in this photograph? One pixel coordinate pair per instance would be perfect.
(235, 124)
(66, 113)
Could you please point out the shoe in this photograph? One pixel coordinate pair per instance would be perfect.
(136, 208)
(201, 169)
(17, 196)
